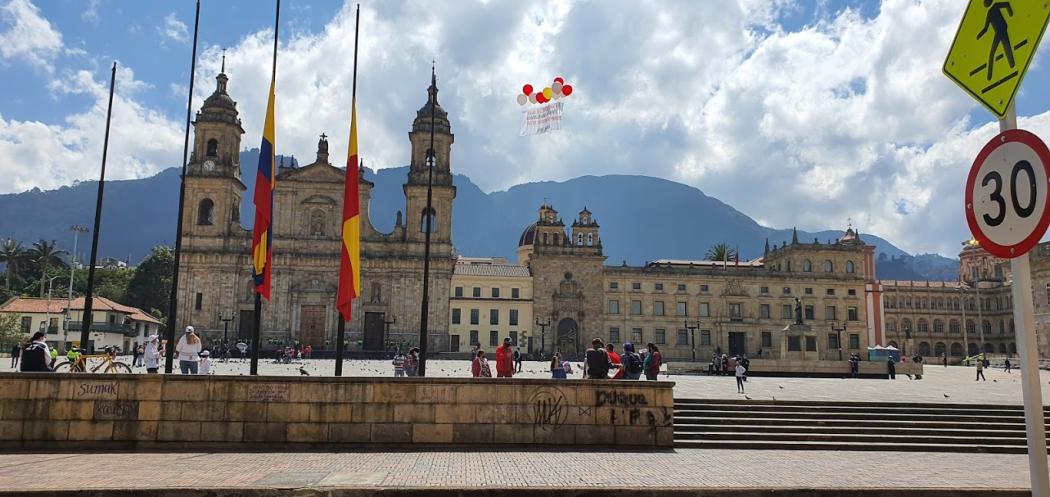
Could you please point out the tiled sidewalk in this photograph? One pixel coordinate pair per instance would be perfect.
(491, 469)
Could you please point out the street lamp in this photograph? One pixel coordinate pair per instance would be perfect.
(225, 333)
(543, 333)
(692, 335)
(77, 230)
(50, 286)
(839, 331)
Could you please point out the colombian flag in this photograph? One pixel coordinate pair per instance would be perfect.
(262, 232)
(350, 255)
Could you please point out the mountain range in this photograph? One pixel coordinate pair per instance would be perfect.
(642, 218)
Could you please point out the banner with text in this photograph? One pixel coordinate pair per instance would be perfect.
(542, 119)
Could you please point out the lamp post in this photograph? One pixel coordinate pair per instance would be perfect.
(47, 318)
(77, 230)
(543, 333)
(692, 335)
(225, 333)
(965, 331)
(838, 332)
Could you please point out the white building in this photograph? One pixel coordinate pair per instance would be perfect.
(113, 324)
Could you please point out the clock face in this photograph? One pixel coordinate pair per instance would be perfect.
(209, 165)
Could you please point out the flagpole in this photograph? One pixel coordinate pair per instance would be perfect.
(431, 159)
(85, 329)
(169, 352)
(257, 320)
(340, 332)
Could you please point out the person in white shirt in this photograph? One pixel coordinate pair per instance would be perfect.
(188, 350)
(205, 366)
(740, 371)
(152, 355)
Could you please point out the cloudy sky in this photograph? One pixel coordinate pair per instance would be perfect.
(796, 112)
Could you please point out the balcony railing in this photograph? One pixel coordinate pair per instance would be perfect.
(126, 329)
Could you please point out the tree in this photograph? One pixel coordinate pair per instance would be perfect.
(720, 252)
(150, 288)
(46, 254)
(11, 332)
(109, 283)
(13, 255)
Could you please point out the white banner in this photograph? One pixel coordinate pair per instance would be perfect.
(542, 119)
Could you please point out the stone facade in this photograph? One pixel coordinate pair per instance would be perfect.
(214, 273)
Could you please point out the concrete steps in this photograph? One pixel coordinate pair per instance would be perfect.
(743, 424)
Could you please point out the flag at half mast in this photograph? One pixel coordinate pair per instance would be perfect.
(350, 255)
(265, 181)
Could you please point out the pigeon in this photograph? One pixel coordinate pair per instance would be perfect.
(995, 380)
(774, 398)
(746, 397)
(303, 372)
(781, 386)
(947, 396)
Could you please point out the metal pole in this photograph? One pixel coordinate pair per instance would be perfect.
(173, 300)
(980, 316)
(254, 368)
(77, 230)
(425, 305)
(340, 332)
(966, 342)
(1024, 315)
(86, 323)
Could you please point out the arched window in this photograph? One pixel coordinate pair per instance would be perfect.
(938, 326)
(957, 349)
(939, 349)
(1002, 327)
(206, 212)
(924, 348)
(906, 325)
(807, 266)
(828, 267)
(891, 325)
(1002, 348)
(213, 148)
(989, 348)
(423, 220)
(544, 238)
(317, 222)
(953, 326)
(849, 267)
(557, 239)
(924, 326)
(579, 239)
(986, 327)
(973, 349)
(590, 239)
(971, 327)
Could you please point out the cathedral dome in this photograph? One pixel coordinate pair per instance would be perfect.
(220, 98)
(528, 237)
(432, 112)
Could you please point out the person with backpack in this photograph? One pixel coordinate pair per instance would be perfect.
(596, 364)
(653, 361)
(557, 368)
(36, 356)
(632, 362)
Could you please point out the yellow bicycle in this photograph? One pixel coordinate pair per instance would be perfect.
(81, 365)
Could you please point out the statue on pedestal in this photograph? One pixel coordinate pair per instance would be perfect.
(798, 311)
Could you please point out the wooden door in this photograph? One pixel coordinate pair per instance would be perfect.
(737, 343)
(311, 325)
(374, 338)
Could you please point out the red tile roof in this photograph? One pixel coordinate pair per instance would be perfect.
(31, 305)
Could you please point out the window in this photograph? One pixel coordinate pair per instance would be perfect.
(811, 344)
(833, 341)
(808, 291)
(734, 313)
(661, 336)
(705, 337)
(579, 239)
(924, 326)
(614, 335)
(854, 341)
(198, 301)
(849, 267)
(513, 317)
(205, 212)
(636, 335)
(614, 285)
(970, 327)
(891, 325)
(636, 307)
(423, 218)
(477, 292)
(658, 308)
(681, 287)
(938, 326)
(705, 310)
(806, 266)
(590, 239)
(681, 309)
(1048, 293)
(495, 292)
(767, 339)
(764, 290)
(213, 148)
(493, 316)
(515, 293)
(493, 338)
(683, 337)
(703, 288)
(455, 316)
(809, 313)
(474, 338)
(830, 292)
(317, 222)
(27, 324)
(794, 344)
(763, 311)
(787, 290)
(828, 267)
(659, 287)
(953, 326)
(829, 313)
(852, 292)
(459, 291)
(785, 311)
(514, 338)
(851, 313)
(636, 286)
(906, 325)
(475, 316)
(614, 307)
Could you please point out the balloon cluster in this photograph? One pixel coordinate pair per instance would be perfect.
(556, 90)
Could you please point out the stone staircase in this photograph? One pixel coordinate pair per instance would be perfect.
(755, 424)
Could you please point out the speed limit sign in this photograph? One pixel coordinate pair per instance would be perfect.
(1006, 193)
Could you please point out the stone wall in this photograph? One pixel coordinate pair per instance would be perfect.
(226, 412)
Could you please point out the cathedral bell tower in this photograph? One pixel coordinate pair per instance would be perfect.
(416, 187)
(213, 184)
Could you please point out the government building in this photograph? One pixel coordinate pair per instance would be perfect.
(559, 294)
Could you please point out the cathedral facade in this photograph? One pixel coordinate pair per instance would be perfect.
(215, 285)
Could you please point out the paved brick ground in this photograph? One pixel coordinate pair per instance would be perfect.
(686, 468)
(957, 382)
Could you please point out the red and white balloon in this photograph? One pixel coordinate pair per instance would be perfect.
(557, 90)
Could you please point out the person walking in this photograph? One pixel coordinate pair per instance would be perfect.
(36, 356)
(399, 364)
(188, 349)
(484, 371)
(980, 371)
(205, 364)
(505, 360)
(632, 362)
(517, 360)
(557, 368)
(891, 367)
(16, 352)
(740, 372)
(854, 366)
(617, 361)
(475, 362)
(654, 360)
(152, 355)
(596, 364)
(412, 362)
(944, 358)
(1007, 366)
(134, 356)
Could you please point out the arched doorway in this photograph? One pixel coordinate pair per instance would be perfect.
(989, 348)
(957, 349)
(567, 337)
(973, 349)
(940, 349)
(924, 349)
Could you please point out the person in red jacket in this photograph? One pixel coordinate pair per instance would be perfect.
(616, 361)
(505, 360)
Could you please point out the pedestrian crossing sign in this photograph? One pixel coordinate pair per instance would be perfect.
(996, 41)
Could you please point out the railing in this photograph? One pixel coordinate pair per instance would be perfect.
(126, 329)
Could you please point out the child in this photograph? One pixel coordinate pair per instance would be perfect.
(486, 370)
(205, 365)
(399, 364)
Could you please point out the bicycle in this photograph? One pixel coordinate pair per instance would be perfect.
(80, 365)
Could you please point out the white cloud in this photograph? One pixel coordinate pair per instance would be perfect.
(174, 29)
(90, 14)
(27, 35)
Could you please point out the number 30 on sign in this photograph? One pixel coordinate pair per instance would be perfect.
(1006, 193)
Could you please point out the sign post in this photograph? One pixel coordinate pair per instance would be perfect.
(1006, 191)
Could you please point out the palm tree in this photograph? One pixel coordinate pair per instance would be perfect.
(720, 252)
(12, 254)
(46, 254)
